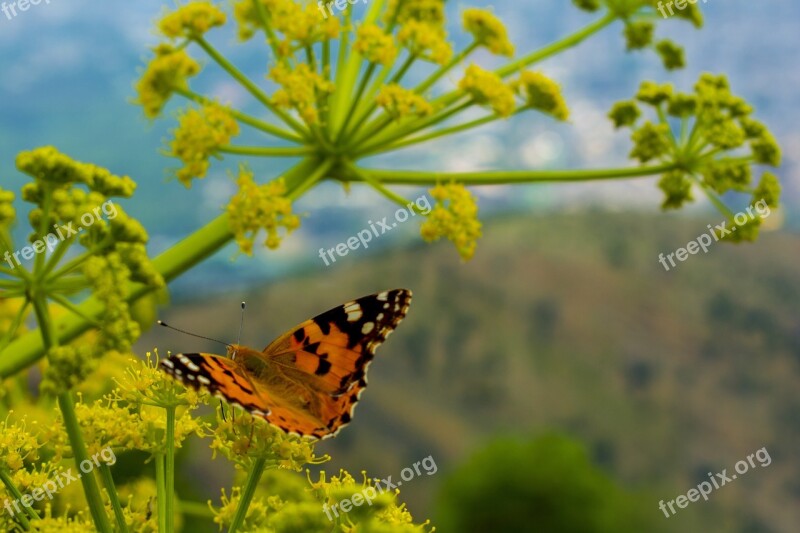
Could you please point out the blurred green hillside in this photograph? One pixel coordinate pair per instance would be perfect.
(567, 323)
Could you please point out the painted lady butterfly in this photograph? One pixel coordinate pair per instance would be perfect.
(308, 380)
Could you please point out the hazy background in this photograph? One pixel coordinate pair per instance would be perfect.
(564, 322)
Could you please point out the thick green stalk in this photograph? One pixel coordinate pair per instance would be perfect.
(161, 493)
(169, 480)
(66, 404)
(362, 86)
(247, 495)
(28, 348)
(267, 151)
(502, 177)
(111, 489)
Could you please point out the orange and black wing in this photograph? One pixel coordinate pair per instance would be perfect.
(332, 351)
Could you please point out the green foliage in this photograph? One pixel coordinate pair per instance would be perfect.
(545, 484)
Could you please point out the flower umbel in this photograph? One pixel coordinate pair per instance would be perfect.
(256, 207)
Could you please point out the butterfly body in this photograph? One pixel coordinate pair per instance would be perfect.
(308, 380)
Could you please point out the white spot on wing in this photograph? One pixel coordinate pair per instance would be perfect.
(204, 380)
(353, 312)
(382, 296)
(366, 328)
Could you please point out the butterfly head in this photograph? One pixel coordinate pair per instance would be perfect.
(234, 350)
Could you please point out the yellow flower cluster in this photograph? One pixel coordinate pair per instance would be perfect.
(488, 88)
(300, 88)
(256, 207)
(169, 70)
(7, 212)
(430, 11)
(425, 40)
(488, 31)
(131, 427)
(200, 132)
(375, 45)
(17, 445)
(542, 93)
(192, 20)
(133, 416)
(299, 24)
(455, 217)
(243, 438)
(400, 102)
(304, 24)
(143, 383)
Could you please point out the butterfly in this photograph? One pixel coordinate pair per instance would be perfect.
(307, 381)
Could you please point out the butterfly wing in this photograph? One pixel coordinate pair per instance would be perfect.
(220, 376)
(332, 352)
(334, 349)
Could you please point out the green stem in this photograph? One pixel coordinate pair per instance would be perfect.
(444, 69)
(539, 55)
(71, 307)
(161, 493)
(10, 284)
(244, 118)
(170, 469)
(30, 511)
(367, 105)
(247, 495)
(403, 69)
(111, 489)
(311, 179)
(362, 86)
(413, 177)
(17, 322)
(54, 259)
(346, 78)
(378, 186)
(262, 151)
(440, 133)
(197, 509)
(66, 404)
(28, 348)
(409, 128)
(270, 35)
(251, 87)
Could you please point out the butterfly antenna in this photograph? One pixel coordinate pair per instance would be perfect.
(241, 325)
(162, 323)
